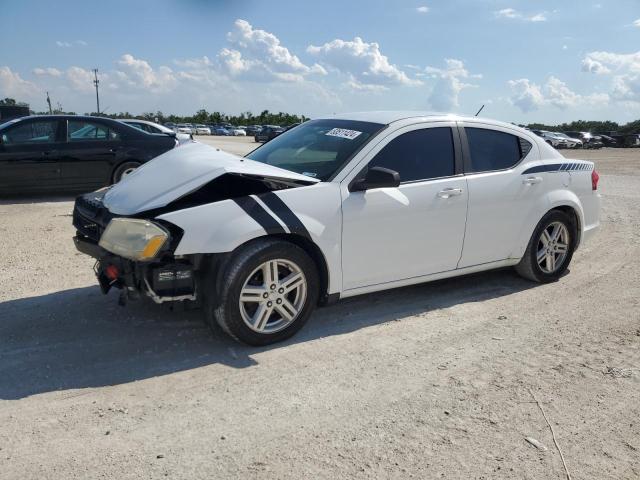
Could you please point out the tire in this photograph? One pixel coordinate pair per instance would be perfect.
(259, 321)
(123, 170)
(561, 251)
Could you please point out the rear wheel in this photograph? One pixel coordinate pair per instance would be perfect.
(270, 290)
(550, 249)
(123, 170)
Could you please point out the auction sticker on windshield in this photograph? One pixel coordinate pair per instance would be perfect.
(343, 133)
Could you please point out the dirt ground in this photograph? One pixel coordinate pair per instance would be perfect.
(430, 381)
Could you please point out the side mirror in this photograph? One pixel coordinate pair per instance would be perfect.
(376, 177)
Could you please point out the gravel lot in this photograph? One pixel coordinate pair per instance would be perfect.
(428, 381)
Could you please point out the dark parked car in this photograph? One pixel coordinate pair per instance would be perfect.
(72, 153)
(268, 133)
(253, 129)
(588, 140)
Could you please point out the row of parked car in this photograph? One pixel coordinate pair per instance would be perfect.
(261, 133)
(588, 140)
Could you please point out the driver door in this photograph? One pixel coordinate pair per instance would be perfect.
(415, 229)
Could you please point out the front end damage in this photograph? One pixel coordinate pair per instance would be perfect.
(122, 227)
(165, 278)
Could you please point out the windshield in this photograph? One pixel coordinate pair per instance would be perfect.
(318, 148)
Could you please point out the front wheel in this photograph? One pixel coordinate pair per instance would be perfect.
(550, 249)
(269, 291)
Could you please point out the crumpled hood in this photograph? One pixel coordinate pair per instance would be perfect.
(181, 171)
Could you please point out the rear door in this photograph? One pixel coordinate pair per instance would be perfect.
(504, 202)
(30, 156)
(90, 153)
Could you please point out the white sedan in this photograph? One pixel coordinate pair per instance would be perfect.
(334, 208)
(202, 130)
(238, 132)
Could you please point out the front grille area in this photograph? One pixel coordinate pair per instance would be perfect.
(90, 217)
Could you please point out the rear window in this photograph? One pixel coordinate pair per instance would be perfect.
(493, 150)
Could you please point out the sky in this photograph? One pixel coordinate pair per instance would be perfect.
(545, 61)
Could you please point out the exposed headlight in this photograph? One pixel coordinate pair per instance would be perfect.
(133, 238)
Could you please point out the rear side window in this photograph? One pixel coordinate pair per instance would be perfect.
(31, 132)
(419, 155)
(80, 131)
(494, 150)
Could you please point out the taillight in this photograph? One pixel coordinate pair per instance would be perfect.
(594, 179)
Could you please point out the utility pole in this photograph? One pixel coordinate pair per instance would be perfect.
(49, 102)
(96, 82)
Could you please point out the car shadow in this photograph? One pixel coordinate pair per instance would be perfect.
(80, 338)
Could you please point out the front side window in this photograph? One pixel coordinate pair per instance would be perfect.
(419, 155)
(318, 148)
(31, 132)
(81, 131)
(493, 150)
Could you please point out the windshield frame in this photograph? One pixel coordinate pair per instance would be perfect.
(374, 134)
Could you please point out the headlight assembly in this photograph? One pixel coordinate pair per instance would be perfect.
(133, 238)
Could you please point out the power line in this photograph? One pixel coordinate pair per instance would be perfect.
(96, 82)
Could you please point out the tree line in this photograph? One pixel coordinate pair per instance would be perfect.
(281, 118)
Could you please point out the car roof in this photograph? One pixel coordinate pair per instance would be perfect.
(388, 117)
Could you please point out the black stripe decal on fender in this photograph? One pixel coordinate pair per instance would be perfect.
(290, 219)
(558, 167)
(260, 215)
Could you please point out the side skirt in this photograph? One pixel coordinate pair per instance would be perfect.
(509, 262)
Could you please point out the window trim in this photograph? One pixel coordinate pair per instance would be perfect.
(457, 151)
(466, 151)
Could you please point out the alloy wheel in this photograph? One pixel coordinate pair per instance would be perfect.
(273, 296)
(553, 247)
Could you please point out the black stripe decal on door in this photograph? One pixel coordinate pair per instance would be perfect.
(260, 215)
(290, 219)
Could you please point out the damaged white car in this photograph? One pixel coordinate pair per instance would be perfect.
(333, 208)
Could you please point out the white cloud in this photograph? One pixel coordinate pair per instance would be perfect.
(258, 54)
(528, 96)
(637, 23)
(608, 61)
(62, 44)
(13, 85)
(82, 43)
(446, 92)
(47, 72)
(513, 14)
(625, 68)
(422, 9)
(138, 73)
(362, 62)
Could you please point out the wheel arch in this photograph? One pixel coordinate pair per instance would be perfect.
(568, 202)
(309, 247)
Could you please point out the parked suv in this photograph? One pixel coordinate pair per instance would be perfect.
(72, 153)
(334, 208)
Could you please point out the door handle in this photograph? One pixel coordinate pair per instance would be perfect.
(113, 150)
(532, 180)
(449, 192)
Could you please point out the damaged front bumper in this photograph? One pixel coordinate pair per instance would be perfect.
(165, 279)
